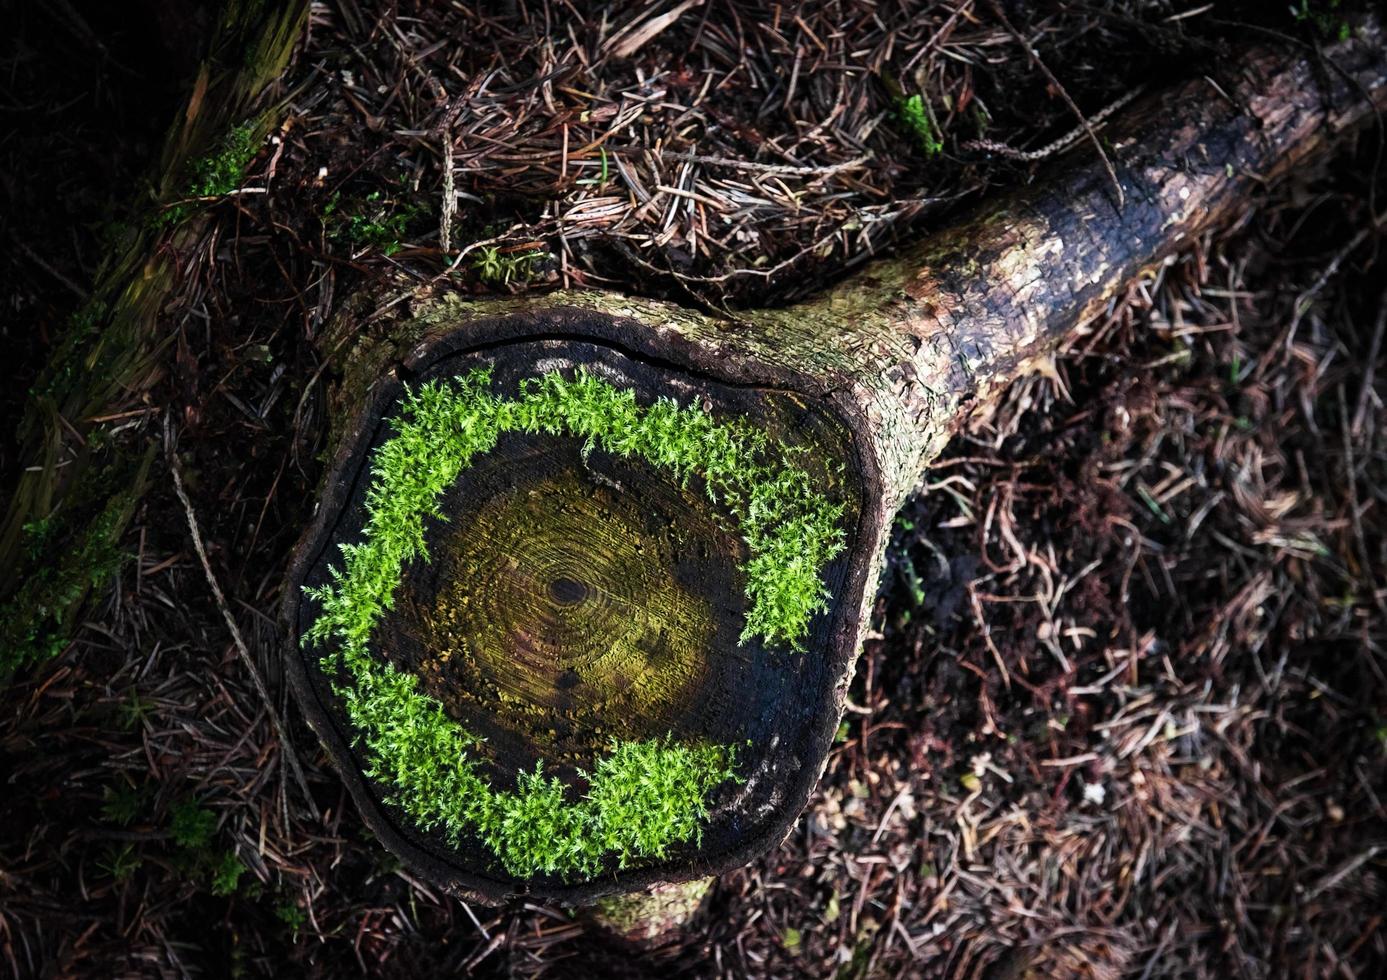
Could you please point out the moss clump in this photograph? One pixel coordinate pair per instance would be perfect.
(916, 117)
(644, 795)
(67, 555)
(82, 327)
(379, 221)
(226, 871)
(192, 826)
(219, 172)
(1327, 17)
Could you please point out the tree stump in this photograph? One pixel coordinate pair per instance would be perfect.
(581, 602)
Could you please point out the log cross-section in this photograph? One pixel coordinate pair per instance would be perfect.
(581, 602)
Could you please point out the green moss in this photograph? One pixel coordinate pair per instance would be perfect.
(1326, 17)
(226, 873)
(192, 826)
(219, 172)
(643, 796)
(67, 555)
(917, 118)
(379, 221)
(193, 829)
(82, 327)
(292, 916)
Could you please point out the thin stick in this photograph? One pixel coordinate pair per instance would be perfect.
(240, 643)
(1063, 143)
(766, 168)
(450, 200)
(1344, 870)
(1374, 348)
(1064, 94)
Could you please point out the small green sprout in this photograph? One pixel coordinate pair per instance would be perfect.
(501, 269)
(292, 916)
(120, 861)
(599, 181)
(833, 909)
(135, 711)
(121, 803)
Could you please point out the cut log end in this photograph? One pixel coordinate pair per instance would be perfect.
(581, 603)
(571, 599)
(573, 621)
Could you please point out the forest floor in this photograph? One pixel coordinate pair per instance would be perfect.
(1124, 711)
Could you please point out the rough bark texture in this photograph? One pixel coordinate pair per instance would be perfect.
(647, 918)
(885, 366)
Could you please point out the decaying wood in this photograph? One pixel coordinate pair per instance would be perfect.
(648, 918)
(898, 355)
